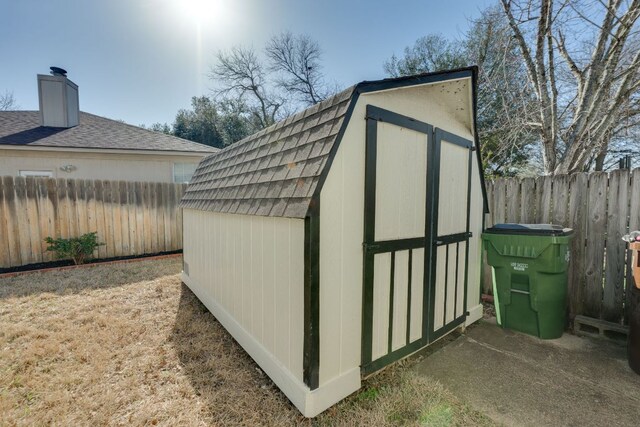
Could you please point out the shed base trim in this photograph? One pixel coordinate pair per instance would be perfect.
(475, 314)
(309, 403)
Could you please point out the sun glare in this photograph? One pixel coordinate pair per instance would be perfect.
(202, 11)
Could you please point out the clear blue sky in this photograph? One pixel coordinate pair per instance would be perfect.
(142, 60)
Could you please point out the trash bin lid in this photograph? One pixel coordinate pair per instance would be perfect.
(530, 229)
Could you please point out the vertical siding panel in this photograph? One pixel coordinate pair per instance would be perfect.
(257, 279)
(296, 266)
(417, 286)
(438, 311)
(461, 271)
(400, 288)
(247, 268)
(237, 268)
(269, 285)
(451, 283)
(487, 281)
(282, 292)
(332, 259)
(381, 295)
(617, 212)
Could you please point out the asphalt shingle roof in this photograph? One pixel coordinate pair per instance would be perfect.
(273, 172)
(22, 128)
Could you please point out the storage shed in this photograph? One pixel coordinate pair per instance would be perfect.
(345, 237)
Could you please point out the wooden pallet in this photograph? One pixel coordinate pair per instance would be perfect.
(588, 326)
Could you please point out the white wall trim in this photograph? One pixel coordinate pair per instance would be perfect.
(475, 314)
(309, 403)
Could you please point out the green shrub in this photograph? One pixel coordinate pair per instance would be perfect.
(79, 249)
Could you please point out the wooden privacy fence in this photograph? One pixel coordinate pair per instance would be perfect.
(600, 207)
(131, 218)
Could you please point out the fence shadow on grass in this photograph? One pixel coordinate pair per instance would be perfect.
(75, 281)
(232, 386)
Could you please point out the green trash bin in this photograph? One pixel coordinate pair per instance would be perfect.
(529, 263)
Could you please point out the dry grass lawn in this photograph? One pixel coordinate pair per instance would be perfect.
(128, 344)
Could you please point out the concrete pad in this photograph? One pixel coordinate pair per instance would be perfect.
(521, 380)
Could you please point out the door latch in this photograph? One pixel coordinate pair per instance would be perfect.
(370, 246)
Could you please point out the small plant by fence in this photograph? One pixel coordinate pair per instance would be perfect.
(601, 207)
(131, 218)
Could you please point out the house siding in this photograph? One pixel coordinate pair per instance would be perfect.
(106, 166)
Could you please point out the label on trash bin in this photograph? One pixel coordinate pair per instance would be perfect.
(519, 266)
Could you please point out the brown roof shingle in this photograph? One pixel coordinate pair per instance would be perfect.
(273, 172)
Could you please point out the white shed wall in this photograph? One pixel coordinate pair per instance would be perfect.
(342, 208)
(251, 268)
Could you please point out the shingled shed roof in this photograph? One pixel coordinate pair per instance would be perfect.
(273, 172)
(276, 171)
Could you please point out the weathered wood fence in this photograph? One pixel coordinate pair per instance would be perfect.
(601, 208)
(131, 218)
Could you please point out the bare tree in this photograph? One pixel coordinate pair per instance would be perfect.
(584, 84)
(241, 74)
(8, 102)
(504, 103)
(297, 60)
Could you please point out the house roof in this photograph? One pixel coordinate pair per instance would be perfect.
(277, 171)
(22, 128)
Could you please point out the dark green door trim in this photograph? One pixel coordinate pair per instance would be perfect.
(447, 240)
(371, 247)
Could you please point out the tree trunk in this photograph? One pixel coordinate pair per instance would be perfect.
(600, 159)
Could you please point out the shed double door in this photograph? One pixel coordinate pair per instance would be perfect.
(416, 221)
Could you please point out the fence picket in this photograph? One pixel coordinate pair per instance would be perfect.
(576, 219)
(499, 201)
(544, 187)
(634, 225)
(513, 200)
(617, 210)
(528, 200)
(5, 254)
(560, 200)
(596, 228)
